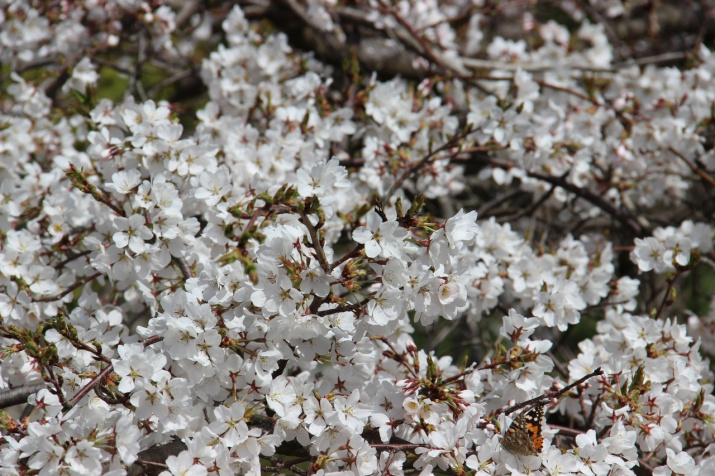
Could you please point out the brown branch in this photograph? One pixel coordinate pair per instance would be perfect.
(423, 49)
(626, 219)
(550, 395)
(319, 252)
(64, 293)
(666, 298)
(85, 390)
(414, 167)
(181, 75)
(693, 167)
(397, 356)
(80, 182)
(18, 395)
(135, 83)
(71, 257)
(397, 446)
(596, 200)
(536, 205)
(352, 254)
(102, 375)
(183, 267)
(156, 455)
(351, 308)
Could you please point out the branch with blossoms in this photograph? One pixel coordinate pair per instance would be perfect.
(553, 394)
(276, 265)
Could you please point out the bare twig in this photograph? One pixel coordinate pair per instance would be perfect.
(431, 156)
(596, 200)
(64, 293)
(550, 395)
(627, 220)
(693, 167)
(667, 298)
(170, 80)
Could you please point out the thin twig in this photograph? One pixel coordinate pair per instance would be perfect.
(535, 206)
(627, 220)
(425, 49)
(692, 166)
(64, 293)
(351, 254)
(169, 81)
(666, 298)
(550, 395)
(319, 252)
(412, 168)
(596, 200)
(102, 375)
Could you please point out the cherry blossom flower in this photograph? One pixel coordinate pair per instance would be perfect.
(132, 231)
(381, 238)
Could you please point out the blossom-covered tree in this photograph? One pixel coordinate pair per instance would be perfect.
(365, 238)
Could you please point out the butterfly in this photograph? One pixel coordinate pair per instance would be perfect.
(524, 437)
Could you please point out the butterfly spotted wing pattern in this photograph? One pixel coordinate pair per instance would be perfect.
(524, 437)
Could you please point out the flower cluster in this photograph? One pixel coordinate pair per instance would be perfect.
(251, 284)
(671, 248)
